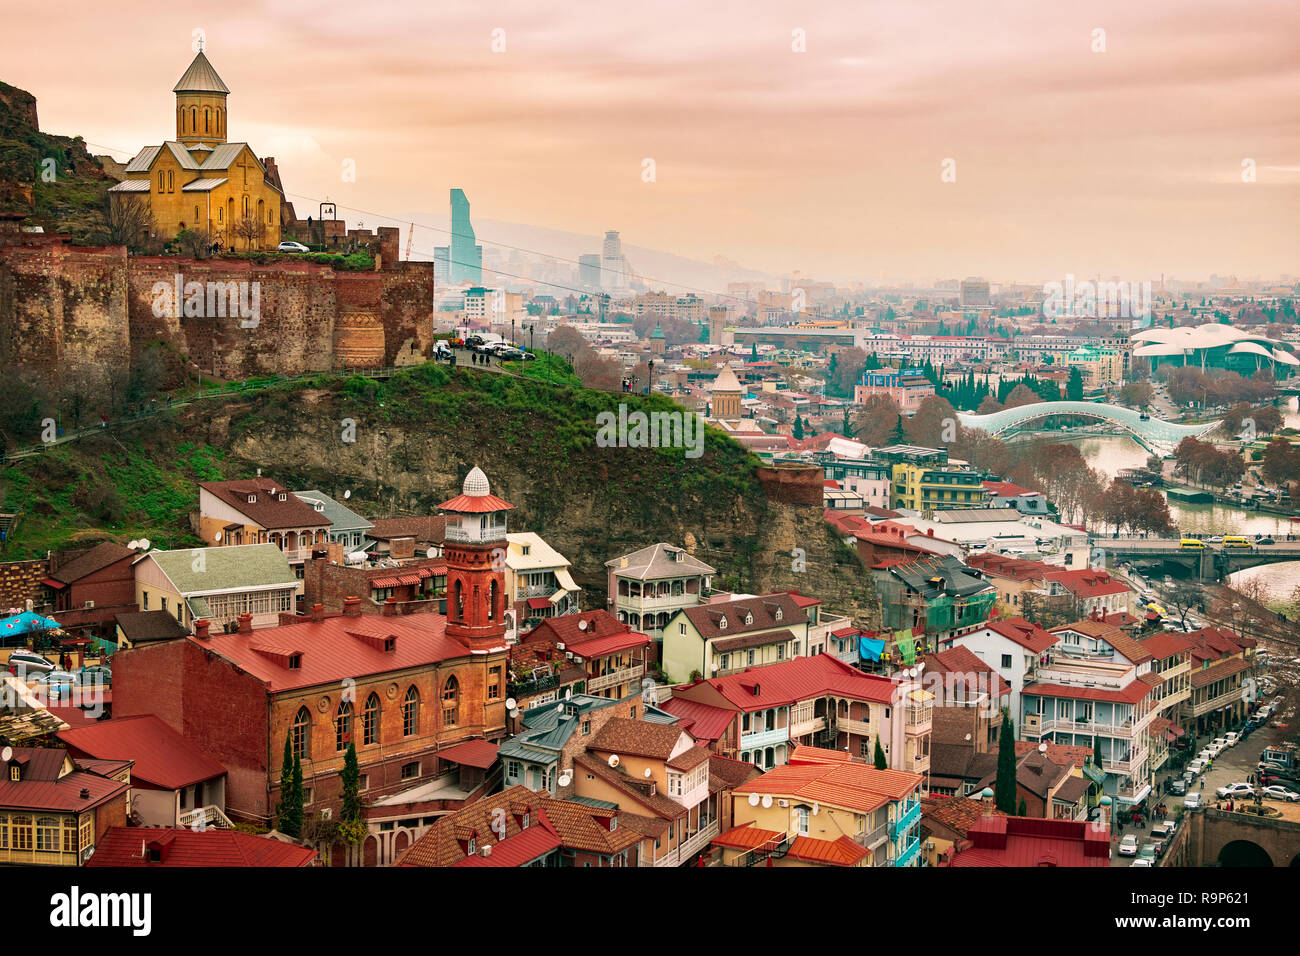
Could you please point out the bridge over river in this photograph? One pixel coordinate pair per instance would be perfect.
(1155, 434)
(1212, 563)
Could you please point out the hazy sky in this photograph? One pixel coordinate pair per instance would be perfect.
(1126, 162)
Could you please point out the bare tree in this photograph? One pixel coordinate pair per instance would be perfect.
(129, 221)
(249, 229)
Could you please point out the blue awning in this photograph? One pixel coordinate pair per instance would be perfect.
(870, 648)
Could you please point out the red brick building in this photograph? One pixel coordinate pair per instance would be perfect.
(403, 689)
(89, 587)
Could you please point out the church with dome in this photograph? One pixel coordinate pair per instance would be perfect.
(201, 180)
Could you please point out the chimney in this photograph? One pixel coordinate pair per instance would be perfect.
(352, 607)
(245, 623)
(390, 607)
(317, 612)
(201, 629)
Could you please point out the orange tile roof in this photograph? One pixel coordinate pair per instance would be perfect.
(745, 837)
(852, 786)
(840, 852)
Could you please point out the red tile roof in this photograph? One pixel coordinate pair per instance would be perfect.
(708, 618)
(839, 852)
(266, 510)
(520, 849)
(704, 721)
(163, 758)
(1087, 582)
(476, 504)
(852, 786)
(336, 648)
(1016, 629)
(746, 837)
(42, 787)
(1005, 489)
(787, 682)
(121, 846)
(1218, 671)
(1164, 645)
(1130, 693)
(641, 738)
(609, 644)
(1030, 841)
(472, 753)
(1018, 569)
(964, 668)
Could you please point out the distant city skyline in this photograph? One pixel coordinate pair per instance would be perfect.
(779, 137)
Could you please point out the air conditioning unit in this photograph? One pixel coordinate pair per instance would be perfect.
(89, 604)
(486, 851)
(783, 803)
(326, 813)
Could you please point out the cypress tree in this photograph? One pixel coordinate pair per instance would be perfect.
(898, 436)
(296, 807)
(1096, 752)
(1022, 810)
(1004, 790)
(881, 762)
(351, 780)
(798, 428)
(283, 813)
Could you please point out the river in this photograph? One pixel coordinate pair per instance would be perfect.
(1111, 453)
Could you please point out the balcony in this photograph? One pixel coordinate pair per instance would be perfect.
(1049, 724)
(849, 726)
(1128, 765)
(873, 839)
(765, 738)
(810, 726)
(474, 534)
(920, 764)
(664, 602)
(905, 822)
(614, 678)
(693, 844)
(919, 720)
(211, 816)
(908, 856)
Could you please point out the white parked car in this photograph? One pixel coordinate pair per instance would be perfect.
(1141, 861)
(290, 246)
(1128, 846)
(1231, 738)
(30, 662)
(1163, 831)
(1277, 792)
(1192, 801)
(1235, 790)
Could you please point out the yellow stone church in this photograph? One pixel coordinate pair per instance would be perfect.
(201, 181)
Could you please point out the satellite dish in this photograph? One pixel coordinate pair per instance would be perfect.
(753, 799)
(6, 754)
(816, 809)
(1042, 748)
(133, 545)
(347, 494)
(767, 800)
(431, 553)
(565, 779)
(217, 536)
(648, 772)
(511, 703)
(259, 472)
(514, 713)
(144, 543)
(582, 625)
(613, 760)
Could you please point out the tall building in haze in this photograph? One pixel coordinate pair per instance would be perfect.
(466, 263)
(614, 271)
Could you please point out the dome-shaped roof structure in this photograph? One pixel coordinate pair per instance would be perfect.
(476, 484)
(200, 78)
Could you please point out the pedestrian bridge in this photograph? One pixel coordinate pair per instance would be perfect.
(1154, 433)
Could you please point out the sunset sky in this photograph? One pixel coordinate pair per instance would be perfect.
(1126, 163)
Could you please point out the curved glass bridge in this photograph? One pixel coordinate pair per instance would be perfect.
(1154, 433)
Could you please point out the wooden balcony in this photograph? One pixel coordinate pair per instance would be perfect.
(687, 849)
(809, 726)
(614, 678)
(846, 725)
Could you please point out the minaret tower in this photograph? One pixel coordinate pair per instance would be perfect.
(475, 551)
(200, 105)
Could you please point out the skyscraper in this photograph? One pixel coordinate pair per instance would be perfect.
(614, 275)
(466, 256)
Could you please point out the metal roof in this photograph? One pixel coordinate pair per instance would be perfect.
(202, 185)
(143, 159)
(224, 155)
(131, 186)
(341, 517)
(200, 78)
(233, 567)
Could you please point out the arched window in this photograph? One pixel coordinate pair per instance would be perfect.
(260, 206)
(47, 833)
(171, 182)
(220, 218)
(221, 122)
(206, 114)
(300, 735)
(370, 721)
(194, 119)
(245, 207)
(162, 180)
(492, 600)
(411, 712)
(196, 213)
(343, 725)
(460, 600)
(450, 702)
